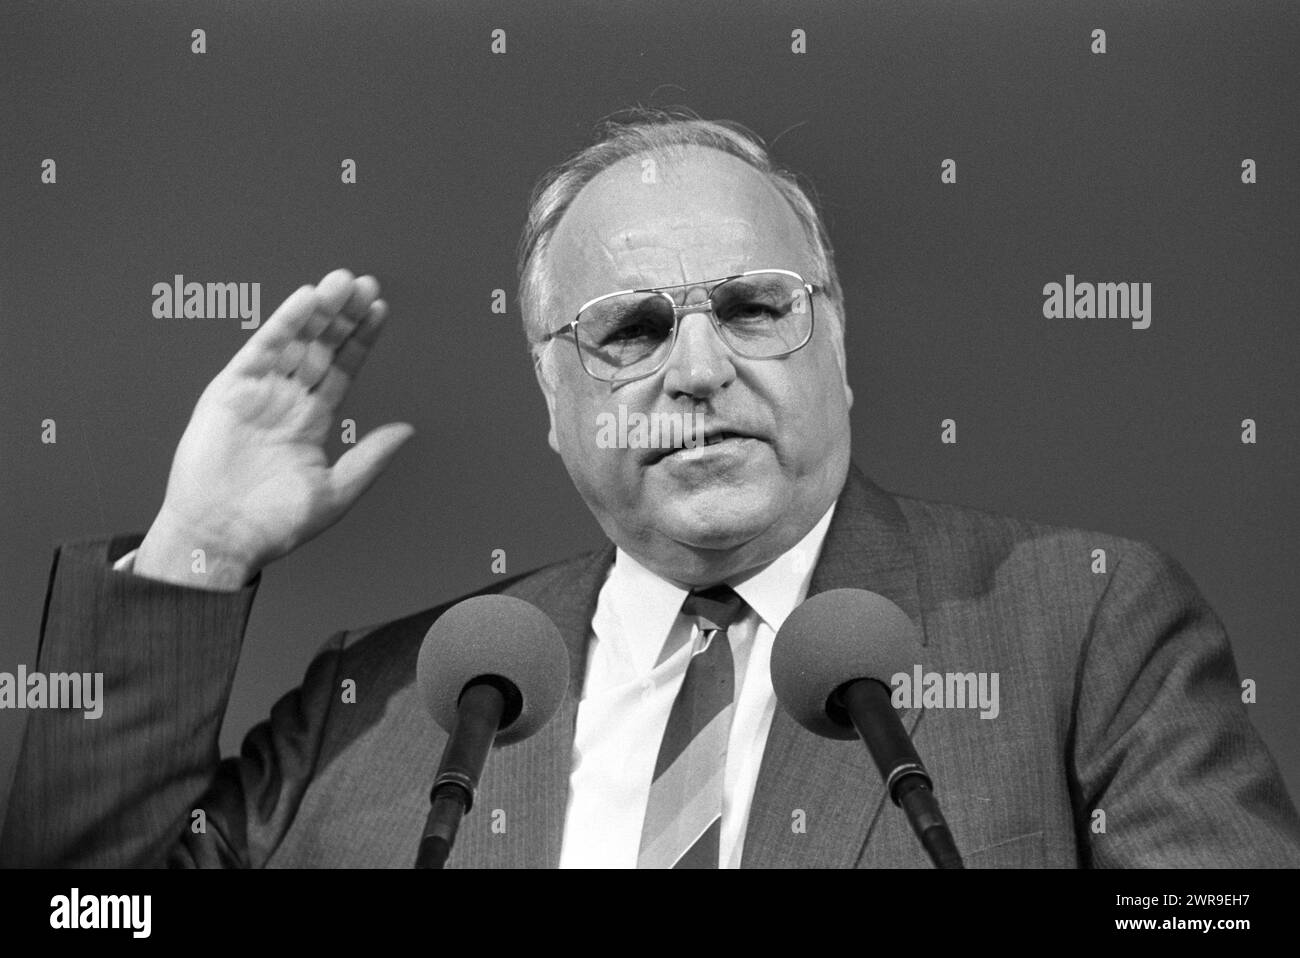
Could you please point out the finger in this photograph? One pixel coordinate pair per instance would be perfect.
(316, 325)
(336, 327)
(361, 465)
(350, 355)
(365, 290)
(316, 361)
(321, 353)
(261, 352)
(354, 350)
(290, 357)
(368, 329)
(334, 290)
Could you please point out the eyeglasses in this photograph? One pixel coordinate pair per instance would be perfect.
(628, 335)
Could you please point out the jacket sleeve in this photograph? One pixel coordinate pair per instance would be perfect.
(1162, 744)
(123, 789)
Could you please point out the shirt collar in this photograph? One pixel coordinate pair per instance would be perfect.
(647, 604)
(778, 587)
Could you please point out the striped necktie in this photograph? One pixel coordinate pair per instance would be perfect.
(683, 821)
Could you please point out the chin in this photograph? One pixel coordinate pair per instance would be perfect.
(714, 524)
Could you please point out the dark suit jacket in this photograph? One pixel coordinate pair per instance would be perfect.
(1118, 694)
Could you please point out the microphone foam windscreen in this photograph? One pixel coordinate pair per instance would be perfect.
(833, 638)
(494, 635)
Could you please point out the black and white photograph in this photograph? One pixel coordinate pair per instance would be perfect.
(651, 435)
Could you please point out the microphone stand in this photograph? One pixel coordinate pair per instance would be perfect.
(478, 717)
(867, 703)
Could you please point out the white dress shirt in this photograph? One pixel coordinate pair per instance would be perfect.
(636, 662)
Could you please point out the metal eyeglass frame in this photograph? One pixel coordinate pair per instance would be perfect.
(679, 311)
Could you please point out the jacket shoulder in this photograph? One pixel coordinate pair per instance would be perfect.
(387, 639)
(966, 544)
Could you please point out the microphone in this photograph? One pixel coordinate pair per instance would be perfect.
(831, 666)
(492, 671)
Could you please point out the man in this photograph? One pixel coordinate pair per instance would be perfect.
(669, 271)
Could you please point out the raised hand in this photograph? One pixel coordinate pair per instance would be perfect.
(250, 481)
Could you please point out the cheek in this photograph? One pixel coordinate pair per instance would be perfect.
(578, 420)
(811, 409)
(801, 395)
(573, 418)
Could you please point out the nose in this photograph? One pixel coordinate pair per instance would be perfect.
(700, 363)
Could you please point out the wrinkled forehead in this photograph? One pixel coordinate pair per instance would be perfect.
(656, 221)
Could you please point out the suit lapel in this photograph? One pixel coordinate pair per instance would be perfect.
(518, 815)
(816, 799)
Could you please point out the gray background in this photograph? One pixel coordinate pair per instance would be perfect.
(225, 167)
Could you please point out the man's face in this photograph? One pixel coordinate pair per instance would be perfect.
(698, 515)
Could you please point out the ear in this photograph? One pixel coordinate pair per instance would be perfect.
(548, 390)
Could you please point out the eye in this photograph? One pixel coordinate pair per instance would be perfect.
(643, 322)
(750, 310)
(628, 332)
(753, 301)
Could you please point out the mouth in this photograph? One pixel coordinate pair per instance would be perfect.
(714, 437)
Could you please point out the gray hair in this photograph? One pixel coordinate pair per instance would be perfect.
(662, 132)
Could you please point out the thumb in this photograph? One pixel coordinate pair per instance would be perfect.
(361, 465)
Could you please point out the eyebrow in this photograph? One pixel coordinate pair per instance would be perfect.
(633, 284)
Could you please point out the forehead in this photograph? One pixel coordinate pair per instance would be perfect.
(656, 221)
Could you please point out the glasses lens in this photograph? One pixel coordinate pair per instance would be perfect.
(621, 336)
(764, 314)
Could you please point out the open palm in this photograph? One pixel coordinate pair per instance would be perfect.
(250, 480)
